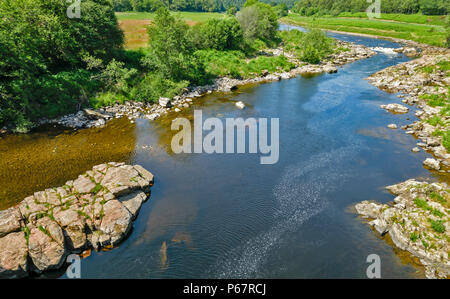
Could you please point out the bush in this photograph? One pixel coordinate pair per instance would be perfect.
(106, 99)
(438, 226)
(218, 34)
(258, 20)
(154, 86)
(42, 72)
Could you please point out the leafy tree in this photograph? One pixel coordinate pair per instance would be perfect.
(42, 50)
(231, 11)
(218, 34)
(171, 49)
(258, 20)
(281, 10)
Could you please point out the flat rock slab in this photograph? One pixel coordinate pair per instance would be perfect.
(94, 210)
(13, 256)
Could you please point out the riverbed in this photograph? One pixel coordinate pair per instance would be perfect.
(228, 216)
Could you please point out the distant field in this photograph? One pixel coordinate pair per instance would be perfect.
(412, 27)
(134, 24)
(414, 18)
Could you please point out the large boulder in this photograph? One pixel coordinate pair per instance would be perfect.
(164, 102)
(147, 175)
(122, 180)
(395, 108)
(432, 163)
(10, 220)
(13, 255)
(368, 209)
(83, 184)
(116, 221)
(133, 202)
(31, 206)
(74, 228)
(46, 245)
(94, 115)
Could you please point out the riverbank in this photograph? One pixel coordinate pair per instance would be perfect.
(429, 34)
(133, 110)
(423, 82)
(418, 220)
(95, 210)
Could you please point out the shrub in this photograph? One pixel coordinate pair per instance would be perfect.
(218, 34)
(315, 46)
(258, 20)
(414, 236)
(438, 226)
(154, 86)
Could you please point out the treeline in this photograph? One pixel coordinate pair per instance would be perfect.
(188, 5)
(335, 7)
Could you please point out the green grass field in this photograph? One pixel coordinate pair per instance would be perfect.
(423, 29)
(413, 18)
(197, 17)
(134, 24)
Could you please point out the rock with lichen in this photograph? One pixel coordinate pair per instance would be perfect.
(417, 221)
(94, 210)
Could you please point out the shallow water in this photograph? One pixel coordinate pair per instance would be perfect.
(228, 216)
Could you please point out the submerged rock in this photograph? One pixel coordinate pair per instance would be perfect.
(91, 211)
(240, 105)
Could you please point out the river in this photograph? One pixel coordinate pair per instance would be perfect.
(228, 216)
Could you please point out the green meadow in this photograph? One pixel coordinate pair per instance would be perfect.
(424, 29)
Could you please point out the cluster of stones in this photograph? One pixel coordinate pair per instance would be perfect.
(88, 118)
(412, 82)
(93, 211)
(409, 219)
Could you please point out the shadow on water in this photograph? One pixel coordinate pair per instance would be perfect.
(51, 156)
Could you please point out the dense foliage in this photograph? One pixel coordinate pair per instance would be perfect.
(52, 65)
(189, 5)
(43, 52)
(335, 7)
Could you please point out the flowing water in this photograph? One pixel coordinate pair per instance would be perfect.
(227, 216)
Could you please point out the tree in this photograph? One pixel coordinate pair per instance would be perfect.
(41, 55)
(171, 49)
(281, 10)
(258, 20)
(218, 34)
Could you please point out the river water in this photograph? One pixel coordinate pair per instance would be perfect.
(228, 216)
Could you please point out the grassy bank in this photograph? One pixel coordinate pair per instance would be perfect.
(412, 18)
(423, 29)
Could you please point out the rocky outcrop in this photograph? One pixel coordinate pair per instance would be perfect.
(423, 82)
(417, 221)
(94, 210)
